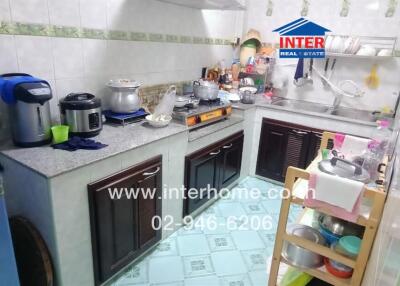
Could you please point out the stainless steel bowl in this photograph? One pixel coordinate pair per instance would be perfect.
(338, 226)
(299, 256)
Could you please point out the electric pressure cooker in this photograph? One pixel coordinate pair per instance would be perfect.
(27, 99)
(82, 113)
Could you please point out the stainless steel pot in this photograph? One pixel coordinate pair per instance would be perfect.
(302, 257)
(125, 95)
(205, 90)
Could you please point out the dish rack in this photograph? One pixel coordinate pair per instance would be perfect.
(378, 43)
(377, 197)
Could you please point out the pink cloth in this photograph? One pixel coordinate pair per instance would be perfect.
(310, 202)
(338, 141)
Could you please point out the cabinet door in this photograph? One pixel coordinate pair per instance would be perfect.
(150, 182)
(296, 151)
(272, 151)
(231, 161)
(120, 225)
(202, 174)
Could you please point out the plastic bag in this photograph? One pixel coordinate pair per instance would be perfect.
(167, 102)
(294, 277)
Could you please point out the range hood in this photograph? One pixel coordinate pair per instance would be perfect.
(210, 4)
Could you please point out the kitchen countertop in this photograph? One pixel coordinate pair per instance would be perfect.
(212, 128)
(50, 162)
(264, 103)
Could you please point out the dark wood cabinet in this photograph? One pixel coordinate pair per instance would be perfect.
(282, 145)
(121, 227)
(212, 168)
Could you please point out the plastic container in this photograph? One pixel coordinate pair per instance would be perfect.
(348, 246)
(60, 133)
(333, 269)
(329, 236)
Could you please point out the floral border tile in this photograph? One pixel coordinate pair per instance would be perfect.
(185, 39)
(117, 35)
(64, 32)
(6, 28)
(31, 29)
(93, 34)
(198, 40)
(155, 37)
(172, 38)
(138, 36)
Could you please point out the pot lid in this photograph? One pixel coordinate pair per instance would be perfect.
(350, 244)
(123, 83)
(344, 168)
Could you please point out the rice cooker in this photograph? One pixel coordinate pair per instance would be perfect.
(82, 113)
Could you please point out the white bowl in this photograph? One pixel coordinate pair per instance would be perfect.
(165, 120)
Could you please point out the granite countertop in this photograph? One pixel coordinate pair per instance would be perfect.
(50, 162)
(212, 128)
(262, 102)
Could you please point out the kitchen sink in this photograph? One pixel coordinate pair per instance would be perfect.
(301, 105)
(362, 115)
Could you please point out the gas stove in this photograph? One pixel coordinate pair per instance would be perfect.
(206, 112)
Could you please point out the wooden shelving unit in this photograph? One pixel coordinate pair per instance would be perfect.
(370, 221)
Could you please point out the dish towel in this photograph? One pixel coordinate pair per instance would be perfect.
(350, 146)
(339, 195)
(75, 143)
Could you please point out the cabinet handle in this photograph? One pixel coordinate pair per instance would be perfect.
(227, 146)
(215, 153)
(152, 173)
(298, 132)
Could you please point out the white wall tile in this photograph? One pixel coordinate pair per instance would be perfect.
(8, 58)
(35, 56)
(93, 14)
(68, 57)
(5, 14)
(94, 57)
(32, 11)
(65, 13)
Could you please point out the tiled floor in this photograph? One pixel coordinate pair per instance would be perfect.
(234, 251)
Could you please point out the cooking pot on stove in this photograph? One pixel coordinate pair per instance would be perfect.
(124, 97)
(205, 90)
(345, 169)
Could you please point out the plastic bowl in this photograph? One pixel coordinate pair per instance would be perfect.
(335, 271)
(158, 123)
(330, 237)
(60, 133)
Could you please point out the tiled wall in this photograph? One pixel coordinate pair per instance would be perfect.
(354, 17)
(77, 45)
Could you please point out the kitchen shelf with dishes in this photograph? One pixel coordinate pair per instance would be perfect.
(362, 47)
(296, 182)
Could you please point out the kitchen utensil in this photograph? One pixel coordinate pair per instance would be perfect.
(82, 113)
(27, 100)
(124, 97)
(349, 246)
(338, 226)
(329, 236)
(299, 256)
(345, 169)
(337, 45)
(247, 96)
(385, 53)
(159, 121)
(337, 270)
(366, 50)
(372, 80)
(247, 81)
(60, 133)
(205, 90)
(181, 101)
